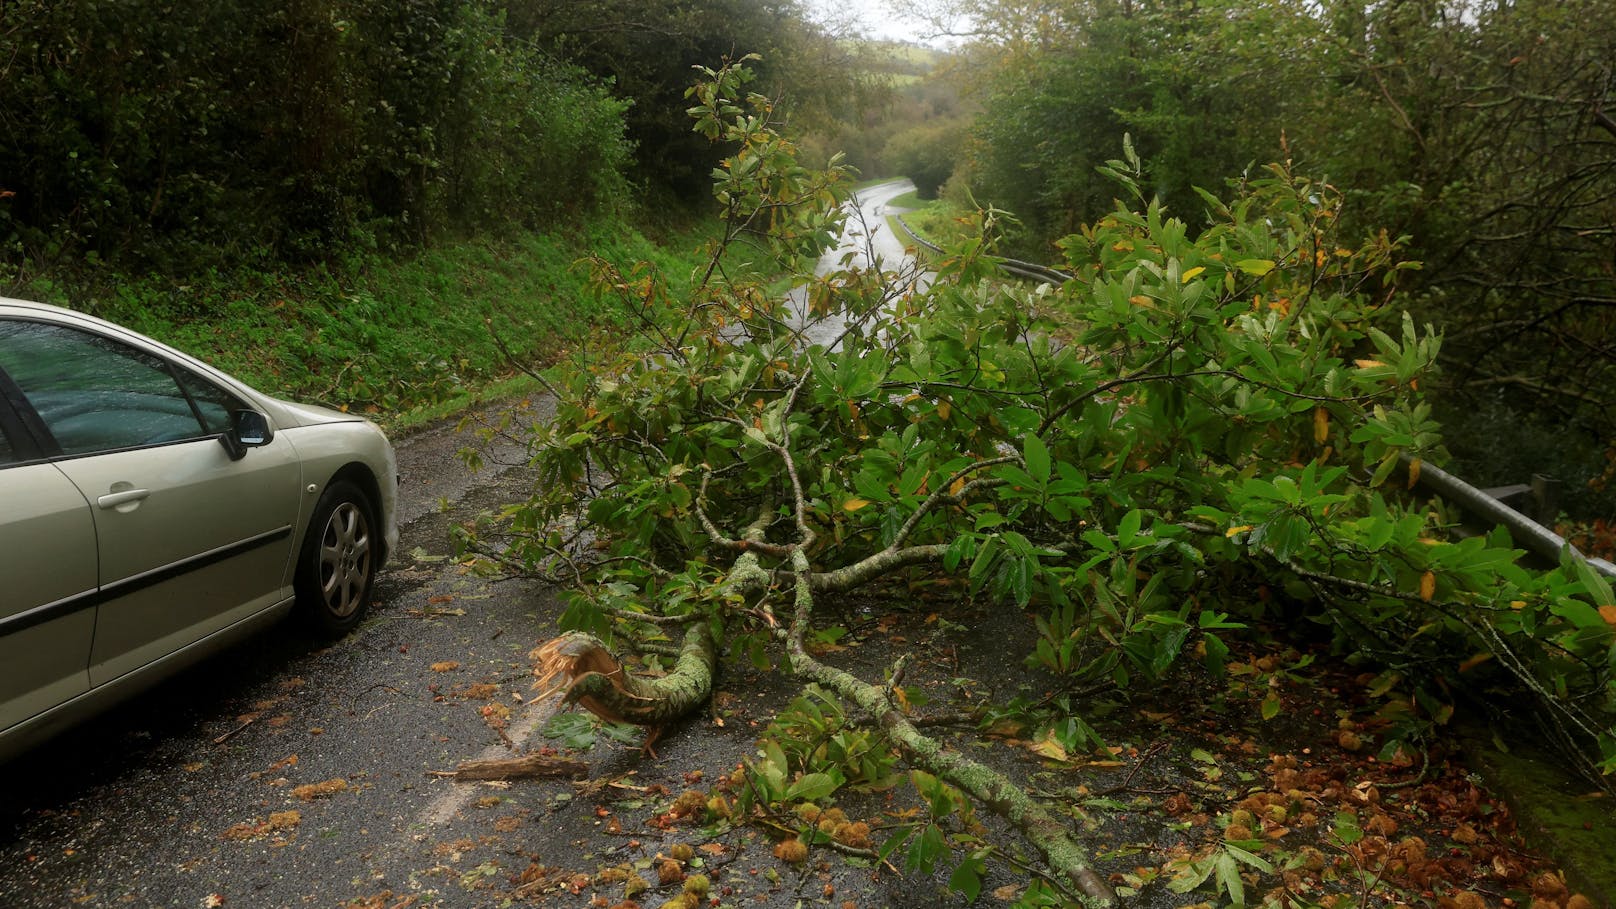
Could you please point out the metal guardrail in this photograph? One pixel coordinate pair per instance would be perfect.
(1484, 505)
(1481, 504)
(1020, 269)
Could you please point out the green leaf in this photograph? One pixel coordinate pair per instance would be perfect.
(1229, 878)
(1346, 828)
(1255, 861)
(1270, 706)
(1258, 267)
(967, 878)
(1128, 528)
(1037, 459)
(812, 787)
(1597, 587)
(1192, 877)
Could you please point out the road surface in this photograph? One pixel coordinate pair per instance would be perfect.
(867, 240)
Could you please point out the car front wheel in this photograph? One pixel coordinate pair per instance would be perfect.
(338, 562)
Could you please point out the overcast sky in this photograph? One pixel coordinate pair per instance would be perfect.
(873, 18)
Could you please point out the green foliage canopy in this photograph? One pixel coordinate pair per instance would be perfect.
(171, 139)
(1479, 131)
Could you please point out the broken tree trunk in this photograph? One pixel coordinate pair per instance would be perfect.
(594, 679)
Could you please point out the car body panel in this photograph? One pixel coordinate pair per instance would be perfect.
(188, 549)
(47, 618)
(208, 531)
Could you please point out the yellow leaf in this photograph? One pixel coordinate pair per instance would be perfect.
(1473, 661)
(1190, 275)
(1428, 586)
(1413, 472)
(1368, 364)
(1234, 530)
(943, 409)
(1049, 748)
(1139, 300)
(1608, 613)
(1517, 604)
(1321, 425)
(854, 504)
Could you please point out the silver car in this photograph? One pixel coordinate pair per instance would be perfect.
(154, 510)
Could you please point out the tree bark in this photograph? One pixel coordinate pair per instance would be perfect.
(526, 767)
(595, 680)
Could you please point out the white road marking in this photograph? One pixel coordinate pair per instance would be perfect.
(443, 809)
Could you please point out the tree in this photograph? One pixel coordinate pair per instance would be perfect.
(649, 52)
(283, 131)
(926, 154)
(1132, 457)
(1477, 130)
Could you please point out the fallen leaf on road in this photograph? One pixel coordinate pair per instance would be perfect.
(311, 791)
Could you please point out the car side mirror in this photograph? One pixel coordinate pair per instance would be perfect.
(248, 429)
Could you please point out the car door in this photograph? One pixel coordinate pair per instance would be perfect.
(189, 539)
(47, 577)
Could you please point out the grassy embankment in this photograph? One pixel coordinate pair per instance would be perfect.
(935, 220)
(401, 340)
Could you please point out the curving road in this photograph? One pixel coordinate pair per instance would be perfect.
(867, 241)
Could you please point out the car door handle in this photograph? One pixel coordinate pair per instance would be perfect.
(114, 499)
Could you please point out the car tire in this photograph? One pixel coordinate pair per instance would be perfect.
(339, 559)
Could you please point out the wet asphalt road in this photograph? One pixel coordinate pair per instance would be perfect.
(182, 796)
(188, 796)
(867, 241)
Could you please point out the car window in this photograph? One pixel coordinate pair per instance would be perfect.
(214, 405)
(8, 454)
(97, 394)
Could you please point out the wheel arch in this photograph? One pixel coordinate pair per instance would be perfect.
(360, 474)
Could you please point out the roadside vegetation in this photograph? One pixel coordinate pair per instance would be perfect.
(347, 200)
(1480, 132)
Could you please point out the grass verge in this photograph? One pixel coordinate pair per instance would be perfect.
(401, 340)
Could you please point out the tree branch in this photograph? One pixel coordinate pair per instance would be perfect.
(1047, 833)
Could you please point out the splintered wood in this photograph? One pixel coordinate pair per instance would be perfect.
(526, 767)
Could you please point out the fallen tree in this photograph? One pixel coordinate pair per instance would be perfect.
(1194, 436)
